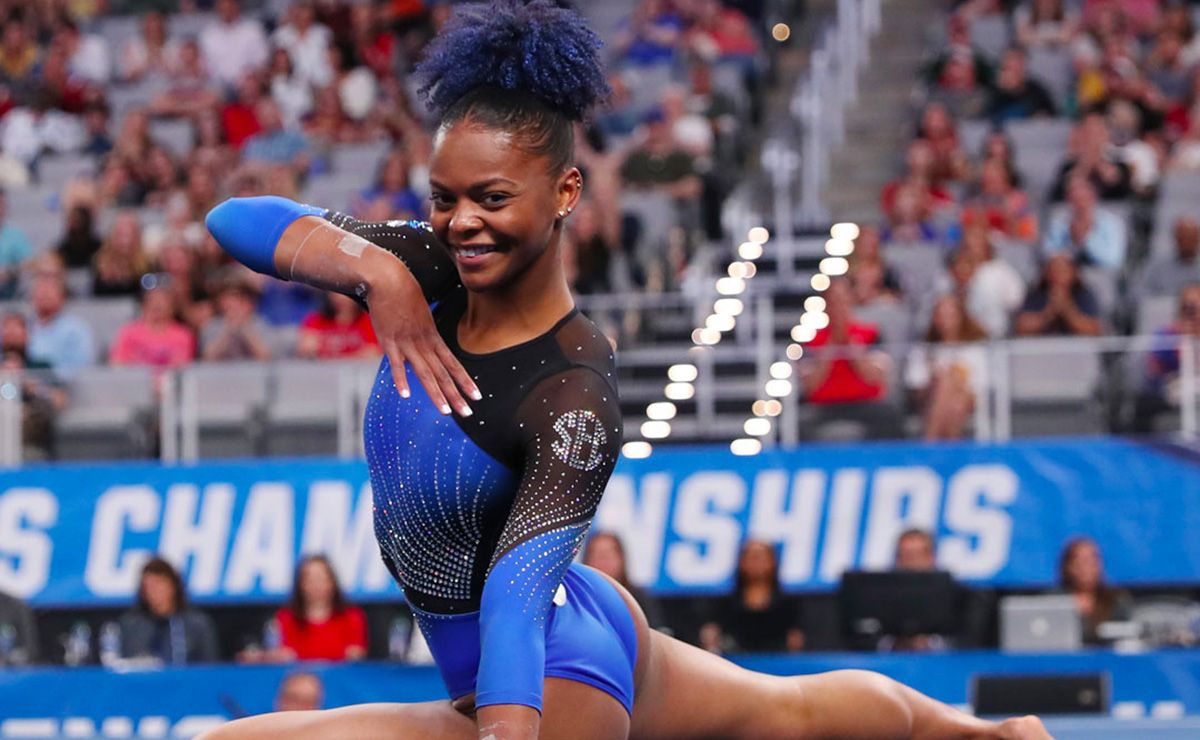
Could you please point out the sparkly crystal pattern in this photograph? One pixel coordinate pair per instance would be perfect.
(414, 243)
(581, 439)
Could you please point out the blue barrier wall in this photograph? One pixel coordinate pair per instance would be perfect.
(49, 702)
(77, 535)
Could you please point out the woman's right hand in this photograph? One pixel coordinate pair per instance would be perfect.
(1022, 728)
(404, 327)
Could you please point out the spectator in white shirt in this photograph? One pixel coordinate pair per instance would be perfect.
(151, 53)
(1087, 233)
(233, 44)
(90, 58)
(996, 290)
(307, 43)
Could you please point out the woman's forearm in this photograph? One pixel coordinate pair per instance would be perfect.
(508, 722)
(317, 253)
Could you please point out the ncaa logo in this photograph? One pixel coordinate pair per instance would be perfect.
(581, 439)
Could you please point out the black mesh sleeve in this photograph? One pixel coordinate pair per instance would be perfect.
(416, 246)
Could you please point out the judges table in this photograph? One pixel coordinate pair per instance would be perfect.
(1153, 693)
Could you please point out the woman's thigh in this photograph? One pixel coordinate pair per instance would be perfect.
(426, 721)
(577, 711)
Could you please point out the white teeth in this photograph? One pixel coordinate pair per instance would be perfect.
(474, 252)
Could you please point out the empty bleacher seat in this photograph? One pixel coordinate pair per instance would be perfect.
(991, 35)
(104, 316)
(917, 265)
(359, 161)
(1154, 313)
(108, 414)
(1054, 389)
(228, 402)
(302, 410)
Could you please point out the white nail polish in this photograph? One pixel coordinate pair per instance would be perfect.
(445, 408)
(404, 393)
(466, 411)
(477, 395)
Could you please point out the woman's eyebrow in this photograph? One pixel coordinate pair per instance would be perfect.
(477, 185)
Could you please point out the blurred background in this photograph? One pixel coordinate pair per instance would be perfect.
(905, 293)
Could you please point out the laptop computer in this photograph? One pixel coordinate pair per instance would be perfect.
(1040, 624)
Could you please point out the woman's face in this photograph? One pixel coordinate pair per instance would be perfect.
(756, 561)
(993, 179)
(946, 318)
(495, 205)
(605, 556)
(159, 592)
(124, 234)
(1083, 566)
(316, 584)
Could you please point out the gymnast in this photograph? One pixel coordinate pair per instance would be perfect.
(493, 427)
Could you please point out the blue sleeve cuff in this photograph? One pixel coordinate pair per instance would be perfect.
(249, 228)
(523, 698)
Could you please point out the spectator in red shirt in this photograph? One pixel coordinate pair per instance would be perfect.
(340, 330)
(318, 624)
(239, 118)
(850, 372)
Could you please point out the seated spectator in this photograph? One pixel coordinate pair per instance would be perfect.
(1090, 153)
(994, 290)
(650, 36)
(1060, 304)
(16, 614)
(42, 398)
(718, 33)
(1015, 96)
(89, 57)
(391, 186)
(1085, 232)
(307, 43)
(318, 624)
(162, 625)
(1048, 24)
(919, 163)
(757, 617)
(340, 330)
(938, 127)
(910, 221)
(300, 692)
(239, 117)
(594, 240)
(1000, 205)
(18, 58)
(852, 371)
(1166, 66)
(658, 163)
(1185, 157)
(232, 44)
(62, 342)
(619, 118)
(958, 43)
(1138, 149)
(949, 372)
(120, 263)
(154, 338)
(1081, 574)
(291, 93)
(235, 333)
(79, 243)
(150, 54)
(97, 140)
(1161, 390)
(605, 552)
(15, 249)
(871, 280)
(1169, 275)
(189, 86)
(1177, 19)
(274, 144)
(959, 89)
(190, 297)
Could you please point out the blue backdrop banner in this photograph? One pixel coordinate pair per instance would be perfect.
(77, 535)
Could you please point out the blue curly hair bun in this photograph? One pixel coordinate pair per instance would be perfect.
(533, 47)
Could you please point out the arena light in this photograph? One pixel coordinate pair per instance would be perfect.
(656, 430)
(794, 352)
(696, 336)
(709, 336)
(757, 427)
(803, 333)
(820, 283)
(759, 234)
(729, 307)
(679, 391)
(750, 250)
(834, 266)
(745, 446)
(720, 322)
(751, 269)
(773, 408)
(817, 320)
(844, 230)
(781, 370)
(814, 304)
(636, 450)
(684, 373)
(731, 286)
(661, 411)
(759, 408)
(737, 270)
(781, 32)
(776, 389)
(839, 247)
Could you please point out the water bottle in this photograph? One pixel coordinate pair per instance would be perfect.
(398, 638)
(8, 641)
(272, 637)
(79, 645)
(110, 644)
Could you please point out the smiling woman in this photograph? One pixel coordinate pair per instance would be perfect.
(479, 515)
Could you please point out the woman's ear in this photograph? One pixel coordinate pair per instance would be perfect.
(570, 188)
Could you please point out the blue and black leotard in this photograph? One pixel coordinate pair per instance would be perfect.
(479, 518)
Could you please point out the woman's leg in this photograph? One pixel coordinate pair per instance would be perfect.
(435, 720)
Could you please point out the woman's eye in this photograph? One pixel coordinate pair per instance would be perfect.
(495, 199)
(439, 200)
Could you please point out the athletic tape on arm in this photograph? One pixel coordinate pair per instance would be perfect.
(249, 228)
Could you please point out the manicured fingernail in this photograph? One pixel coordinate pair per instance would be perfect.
(475, 394)
(445, 408)
(466, 411)
(404, 393)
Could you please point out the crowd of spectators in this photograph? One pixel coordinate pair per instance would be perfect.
(1054, 146)
(118, 134)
